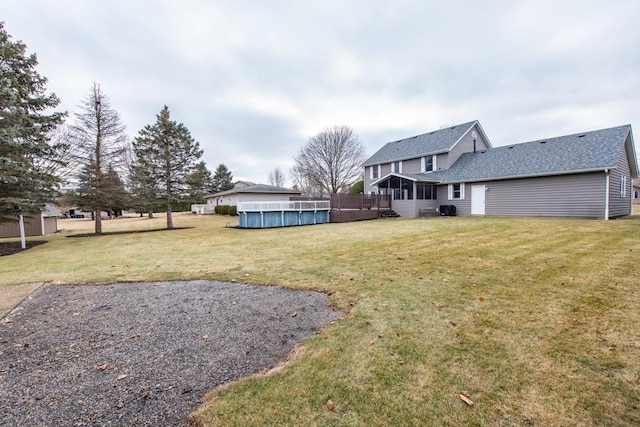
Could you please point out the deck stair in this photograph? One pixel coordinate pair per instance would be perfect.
(389, 214)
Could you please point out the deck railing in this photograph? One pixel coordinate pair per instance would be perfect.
(360, 201)
(315, 205)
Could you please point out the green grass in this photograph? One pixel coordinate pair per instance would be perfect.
(538, 319)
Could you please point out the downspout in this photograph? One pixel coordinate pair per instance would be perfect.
(606, 195)
(631, 197)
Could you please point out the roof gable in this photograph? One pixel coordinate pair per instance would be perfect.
(438, 141)
(582, 152)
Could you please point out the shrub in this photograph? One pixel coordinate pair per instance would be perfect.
(224, 209)
(233, 210)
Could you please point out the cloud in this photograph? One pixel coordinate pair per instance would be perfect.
(254, 80)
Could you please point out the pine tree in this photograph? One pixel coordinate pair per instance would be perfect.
(222, 179)
(200, 183)
(26, 122)
(102, 143)
(166, 153)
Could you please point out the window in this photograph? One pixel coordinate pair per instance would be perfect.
(426, 192)
(396, 167)
(623, 186)
(456, 191)
(375, 172)
(429, 163)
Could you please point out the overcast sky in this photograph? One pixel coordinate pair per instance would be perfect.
(253, 80)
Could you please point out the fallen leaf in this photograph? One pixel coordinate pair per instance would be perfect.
(205, 336)
(380, 335)
(101, 367)
(92, 340)
(294, 314)
(372, 342)
(330, 405)
(120, 404)
(466, 398)
(121, 377)
(480, 299)
(445, 280)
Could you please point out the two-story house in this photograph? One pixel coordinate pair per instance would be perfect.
(582, 175)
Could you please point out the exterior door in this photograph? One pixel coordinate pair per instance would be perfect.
(477, 199)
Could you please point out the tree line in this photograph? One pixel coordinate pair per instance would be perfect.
(93, 165)
(90, 164)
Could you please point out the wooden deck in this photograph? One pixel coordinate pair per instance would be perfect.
(354, 207)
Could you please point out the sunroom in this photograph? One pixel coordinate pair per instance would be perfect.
(411, 194)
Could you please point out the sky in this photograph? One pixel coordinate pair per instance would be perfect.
(254, 80)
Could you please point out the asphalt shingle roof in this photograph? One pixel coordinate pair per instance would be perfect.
(438, 141)
(256, 188)
(595, 150)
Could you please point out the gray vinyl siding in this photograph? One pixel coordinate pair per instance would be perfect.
(367, 181)
(620, 206)
(411, 208)
(465, 145)
(442, 161)
(577, 195)
(404, 208)
(463, 206)
(412, 165)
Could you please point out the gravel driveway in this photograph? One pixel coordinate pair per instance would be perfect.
(142, 353)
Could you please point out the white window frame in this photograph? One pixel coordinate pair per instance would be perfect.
(377, 167)
(433, 163)
(450, 191)
(623, 186)
(399, 166)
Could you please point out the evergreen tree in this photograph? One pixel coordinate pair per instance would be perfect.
(166, 153)
(222, 179)
(102, 144)
(144, 190)
(357, 188)
(118, 199)
(200, 183)
(26, 120)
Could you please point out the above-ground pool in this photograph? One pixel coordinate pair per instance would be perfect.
(282, 214)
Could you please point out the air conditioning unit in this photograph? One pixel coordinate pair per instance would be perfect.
(447, 210)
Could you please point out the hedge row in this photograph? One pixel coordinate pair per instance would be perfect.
(226, 210)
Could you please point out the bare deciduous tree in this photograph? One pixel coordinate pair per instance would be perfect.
(276, 177)
(332, 160)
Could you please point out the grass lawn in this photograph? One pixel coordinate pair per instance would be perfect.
(537, 319)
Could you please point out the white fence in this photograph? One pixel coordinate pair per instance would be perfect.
(312, 205)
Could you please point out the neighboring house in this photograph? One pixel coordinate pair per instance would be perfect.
(46, 222)
(239, 184)
(587, 174)
(251, 193)
(636, 191)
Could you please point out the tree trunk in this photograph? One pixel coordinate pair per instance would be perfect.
(150, 214)
(169, 218)
(99, 220)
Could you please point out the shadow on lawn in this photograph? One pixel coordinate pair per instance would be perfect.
(113, 233)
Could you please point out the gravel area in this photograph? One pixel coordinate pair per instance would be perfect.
(142, 353)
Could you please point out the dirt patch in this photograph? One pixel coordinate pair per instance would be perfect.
(10, 248)
(143, 353)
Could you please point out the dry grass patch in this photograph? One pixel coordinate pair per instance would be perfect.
(537, 319)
